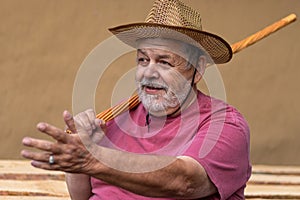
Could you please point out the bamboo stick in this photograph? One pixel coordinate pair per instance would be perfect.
(263, 33)
(133, 101)
(119, 108)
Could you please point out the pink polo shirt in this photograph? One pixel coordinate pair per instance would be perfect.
(210, 131)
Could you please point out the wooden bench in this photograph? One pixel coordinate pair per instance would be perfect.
(20, 181)
(274, 182)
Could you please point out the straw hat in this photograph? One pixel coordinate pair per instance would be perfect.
(172, 19)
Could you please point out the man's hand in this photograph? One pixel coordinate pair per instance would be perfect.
(69, 151)
(86, 123)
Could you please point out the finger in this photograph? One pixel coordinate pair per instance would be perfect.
(58, 165)
(37, 156)
(43, 165)
(83, 126)
(41, 160)
(91, 117)
(52, 131)
(69, 120)
(43, 145)
(83, 122)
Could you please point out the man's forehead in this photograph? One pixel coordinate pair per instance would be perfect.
(172, 46)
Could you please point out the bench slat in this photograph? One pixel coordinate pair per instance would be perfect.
(22, 167)
(273, 169)
(268, 179)
(272, 191)
(33, 188)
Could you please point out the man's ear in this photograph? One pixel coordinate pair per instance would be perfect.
(200, 68)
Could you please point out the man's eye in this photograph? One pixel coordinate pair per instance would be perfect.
(163, 62)
(142, 61)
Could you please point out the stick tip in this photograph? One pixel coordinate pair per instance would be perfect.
(290, 18)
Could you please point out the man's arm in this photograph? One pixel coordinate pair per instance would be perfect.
(79, 186)
(147, 175)
(182, 178)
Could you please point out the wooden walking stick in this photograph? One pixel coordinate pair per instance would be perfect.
(133, 101)
(236, 47)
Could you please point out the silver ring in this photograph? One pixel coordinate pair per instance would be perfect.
(51, 160)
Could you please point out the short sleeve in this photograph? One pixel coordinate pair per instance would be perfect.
(221, 146)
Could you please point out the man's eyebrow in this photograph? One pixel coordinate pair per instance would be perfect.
(165, 56)
(141, 51)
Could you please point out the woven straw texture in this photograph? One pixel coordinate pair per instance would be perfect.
(174, 20)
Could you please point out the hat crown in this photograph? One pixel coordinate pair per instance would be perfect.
(174, 13)
(173, 19)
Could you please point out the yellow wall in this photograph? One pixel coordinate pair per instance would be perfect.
(43, 43)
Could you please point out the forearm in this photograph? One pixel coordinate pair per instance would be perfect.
(155, 176)
(79, 186)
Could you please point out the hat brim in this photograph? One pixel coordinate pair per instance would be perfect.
(217, 48)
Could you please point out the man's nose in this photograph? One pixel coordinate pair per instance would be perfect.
(151, 71)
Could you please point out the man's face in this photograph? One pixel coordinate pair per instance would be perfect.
(163, 75)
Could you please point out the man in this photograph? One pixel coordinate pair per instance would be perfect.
(177, 144)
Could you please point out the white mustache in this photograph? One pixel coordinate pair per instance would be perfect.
(153, 83)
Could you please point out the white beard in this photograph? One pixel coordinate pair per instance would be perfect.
(171, 98)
